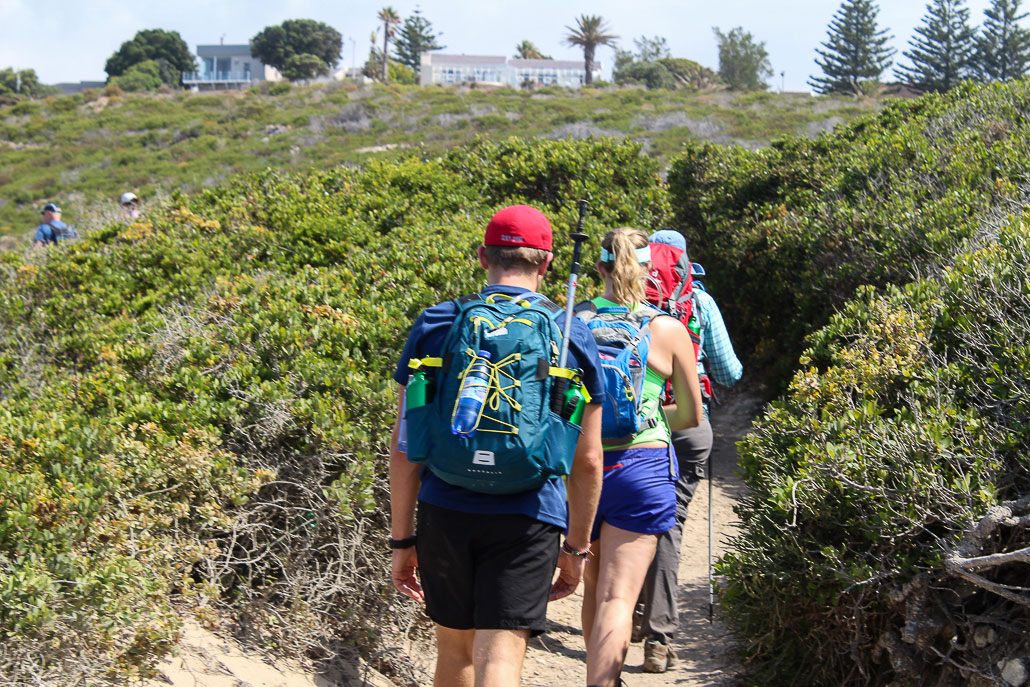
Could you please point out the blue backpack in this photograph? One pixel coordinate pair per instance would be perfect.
(623, 339)
(519, 443)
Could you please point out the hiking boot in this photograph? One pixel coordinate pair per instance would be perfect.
(638, 625)
(658, 657)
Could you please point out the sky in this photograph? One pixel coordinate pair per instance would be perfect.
(70, 40)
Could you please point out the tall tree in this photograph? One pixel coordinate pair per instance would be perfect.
(589, 33)
(390, 19)
(1003, 46)
(651, 49)
(941, 52)
(167, 48)
(527, 51)
(855, 50)
(743, 63)
(295, 38)
(416, 37)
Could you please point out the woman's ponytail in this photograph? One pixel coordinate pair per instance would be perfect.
(628, 275)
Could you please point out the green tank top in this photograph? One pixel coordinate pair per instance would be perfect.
(651, 391)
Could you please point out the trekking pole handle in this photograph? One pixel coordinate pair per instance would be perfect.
(578, 237)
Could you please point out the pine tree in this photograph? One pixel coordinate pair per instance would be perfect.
(414, 38)
(856, 49)
(942, 49)
(1003, 47)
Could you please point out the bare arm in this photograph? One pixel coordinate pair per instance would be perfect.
(584, 490)
(404, 485)
(678, 350)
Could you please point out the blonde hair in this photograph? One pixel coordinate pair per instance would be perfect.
(627, 273)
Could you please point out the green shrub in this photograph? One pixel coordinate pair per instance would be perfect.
(788, 233)
(907, 422)
(279, 88)
(195, 407)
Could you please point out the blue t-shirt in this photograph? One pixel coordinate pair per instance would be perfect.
(546, 504)
(55, 231)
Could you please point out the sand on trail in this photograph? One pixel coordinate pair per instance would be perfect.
(705, 650)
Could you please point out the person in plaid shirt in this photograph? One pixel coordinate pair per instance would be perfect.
(718, 360)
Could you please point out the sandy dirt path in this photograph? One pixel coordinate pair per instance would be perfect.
(705, 650)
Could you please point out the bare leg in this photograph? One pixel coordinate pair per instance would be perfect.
(498, 655)
(622, 562)
(590, 573)
(454, 650)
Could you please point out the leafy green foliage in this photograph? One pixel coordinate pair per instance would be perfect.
(907, 422)
(22, 84)
(743, 64)
(167, 48)
(143, 76)
(304, 66)
(195, 407)
(788, 233)
(275, 45)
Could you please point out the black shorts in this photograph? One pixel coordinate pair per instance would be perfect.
(486, 572)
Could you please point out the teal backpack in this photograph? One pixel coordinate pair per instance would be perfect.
(518, 443)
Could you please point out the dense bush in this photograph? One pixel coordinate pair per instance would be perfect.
(195, 407)
(789, 232)
(862, 558)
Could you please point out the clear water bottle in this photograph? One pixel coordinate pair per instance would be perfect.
(471, 396)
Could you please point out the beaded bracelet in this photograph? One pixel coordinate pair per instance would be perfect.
(565, 548)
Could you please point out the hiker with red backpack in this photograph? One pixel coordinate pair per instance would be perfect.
(641, 349)
(673, 285)
(481, 468)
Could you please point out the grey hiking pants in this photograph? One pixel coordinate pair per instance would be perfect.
(661, 619)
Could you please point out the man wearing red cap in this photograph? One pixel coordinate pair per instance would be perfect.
(486, 562)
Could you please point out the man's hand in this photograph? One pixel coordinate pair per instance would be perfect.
(570, 573)
(405, 561)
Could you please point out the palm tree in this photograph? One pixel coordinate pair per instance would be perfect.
(527, 51)
(390, 19)
(589, 33)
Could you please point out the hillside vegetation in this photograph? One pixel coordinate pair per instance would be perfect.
(194, 407)
(884, 535)
(80, 149)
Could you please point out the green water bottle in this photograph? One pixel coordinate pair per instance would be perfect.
(573, 405)
(694, 324)
(416, 390)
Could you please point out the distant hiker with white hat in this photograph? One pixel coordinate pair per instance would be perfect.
(130, 205)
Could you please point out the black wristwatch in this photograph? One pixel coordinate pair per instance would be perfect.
(405, 543)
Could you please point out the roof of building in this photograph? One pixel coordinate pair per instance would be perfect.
(440, 58)
(223, 50)
(553, 64)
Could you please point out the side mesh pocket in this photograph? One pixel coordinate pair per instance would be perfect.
(419, 430)
(560, 445)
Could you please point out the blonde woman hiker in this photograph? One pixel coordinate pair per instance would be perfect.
(638, 497)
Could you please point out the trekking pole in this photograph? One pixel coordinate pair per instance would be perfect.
(711, 566)
(578, 237)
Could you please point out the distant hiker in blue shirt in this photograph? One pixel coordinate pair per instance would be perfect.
(483, 563)
(52, 229)
(718, 360)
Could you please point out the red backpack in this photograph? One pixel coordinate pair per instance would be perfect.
(670, 288)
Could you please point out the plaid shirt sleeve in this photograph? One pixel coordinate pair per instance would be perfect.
(716, 348)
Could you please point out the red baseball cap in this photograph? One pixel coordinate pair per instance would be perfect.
(520, 226)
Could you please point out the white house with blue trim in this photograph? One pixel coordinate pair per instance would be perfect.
(227, 67)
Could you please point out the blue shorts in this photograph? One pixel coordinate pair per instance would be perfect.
(639, 492)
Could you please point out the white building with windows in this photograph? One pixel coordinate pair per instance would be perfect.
(490, 70)
(225, 67)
